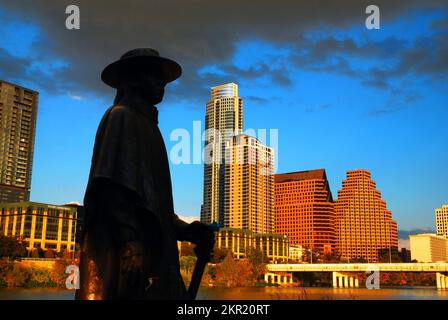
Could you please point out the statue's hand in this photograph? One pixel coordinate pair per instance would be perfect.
(132, 264)
(204, 238)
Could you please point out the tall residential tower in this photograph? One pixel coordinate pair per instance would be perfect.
(249, 185)
(18, 113)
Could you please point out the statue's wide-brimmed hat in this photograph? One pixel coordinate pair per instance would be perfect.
(137, 60)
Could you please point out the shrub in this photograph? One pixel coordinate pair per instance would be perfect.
(14, 274)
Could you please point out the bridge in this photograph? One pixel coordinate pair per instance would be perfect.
(344, 274)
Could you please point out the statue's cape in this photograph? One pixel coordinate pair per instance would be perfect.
(125, 147)
(129, 151)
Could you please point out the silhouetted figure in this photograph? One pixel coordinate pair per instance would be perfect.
(129, 243)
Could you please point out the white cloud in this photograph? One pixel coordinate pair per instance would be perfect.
(75, 97)
(188, 219)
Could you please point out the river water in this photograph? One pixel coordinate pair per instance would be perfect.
(261, 293)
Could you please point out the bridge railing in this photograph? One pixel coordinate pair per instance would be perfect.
(360, 267)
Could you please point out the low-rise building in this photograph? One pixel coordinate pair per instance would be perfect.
(40, 225)
(274, 247)
(295, 253)
(429, 247)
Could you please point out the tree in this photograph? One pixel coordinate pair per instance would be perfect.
(257, 262)
(256, 256)
(387, 255)
(186, 249)
(34, 253)
(227, 272)
(12, 247)
(187, 263)
(333, 257)
(236, 273)
(219, 254)
(49, 254)
(311, 255)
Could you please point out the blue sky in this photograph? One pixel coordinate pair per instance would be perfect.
(342, 97)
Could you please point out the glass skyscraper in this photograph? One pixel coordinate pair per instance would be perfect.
(223, 120)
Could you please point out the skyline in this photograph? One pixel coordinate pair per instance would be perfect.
(191, 217)
(345, 118)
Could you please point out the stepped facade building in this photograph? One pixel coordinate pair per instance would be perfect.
(364, 226)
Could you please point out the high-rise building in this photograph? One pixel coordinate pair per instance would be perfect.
(223, 120)
(428, 247)
(249, 185)
(442, 221)
(40, 225)
(364, 226)
(304, 209)
(18, 113)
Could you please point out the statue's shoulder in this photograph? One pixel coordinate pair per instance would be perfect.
(116, 116)
(118, 109)
(117, 112)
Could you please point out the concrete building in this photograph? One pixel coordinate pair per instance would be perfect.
(429, 247)
(223, 120)
(40, 225)
(273, 246)
(304, 209)
(18, 113)
(295, 253)
(249, 185)
(442, 220)
(363, 225)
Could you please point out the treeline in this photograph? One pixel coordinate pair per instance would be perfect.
(15, 248)
(14, 274)
(225, 271)
(387, 279)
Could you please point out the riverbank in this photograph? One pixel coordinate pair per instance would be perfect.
(29, 273)
(50, 273)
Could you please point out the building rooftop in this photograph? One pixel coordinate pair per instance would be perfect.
(424, 235)
(300, 175)
(19, 86)
(35, 204)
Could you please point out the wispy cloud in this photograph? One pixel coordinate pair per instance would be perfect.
(399, 99)
(75, 97)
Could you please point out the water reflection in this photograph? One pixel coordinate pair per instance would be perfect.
(300, 293)
(260, 293)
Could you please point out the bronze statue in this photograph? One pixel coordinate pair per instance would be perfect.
(129, 243)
